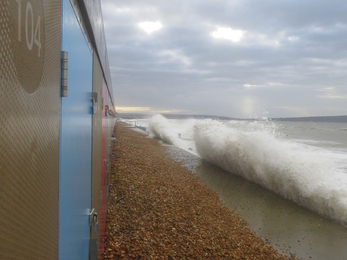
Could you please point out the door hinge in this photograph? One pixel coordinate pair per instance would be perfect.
(63, 79)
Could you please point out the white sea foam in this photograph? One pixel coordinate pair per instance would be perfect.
(297, 172)
(160, 127)
(306, 174)
(173, 132)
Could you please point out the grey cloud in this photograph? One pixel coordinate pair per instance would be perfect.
(290, 51)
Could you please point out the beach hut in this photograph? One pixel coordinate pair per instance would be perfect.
(56, 115)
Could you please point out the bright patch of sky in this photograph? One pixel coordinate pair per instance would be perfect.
(227, 33)
(150, 27)
(144, 110)
(133, 109)
(250, 86)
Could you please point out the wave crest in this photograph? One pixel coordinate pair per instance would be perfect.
(295, 171)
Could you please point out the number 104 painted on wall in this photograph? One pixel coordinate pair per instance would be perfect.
(32, 37)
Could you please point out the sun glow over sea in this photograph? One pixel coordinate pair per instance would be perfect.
(148, 110)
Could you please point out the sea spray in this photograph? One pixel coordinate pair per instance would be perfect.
(311, 176)
(296, 171)
(159, 127)
(178, 133)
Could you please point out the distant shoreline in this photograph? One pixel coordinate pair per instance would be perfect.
(330, 119)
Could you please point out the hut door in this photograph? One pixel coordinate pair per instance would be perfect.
(75, 142)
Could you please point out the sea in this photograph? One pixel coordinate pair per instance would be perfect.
(301, 160)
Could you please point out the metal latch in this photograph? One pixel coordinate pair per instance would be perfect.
(63, 79)
(107, 169)
(93, 220)
(94, 100)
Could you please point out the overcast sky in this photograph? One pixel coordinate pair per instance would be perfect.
(237, 58)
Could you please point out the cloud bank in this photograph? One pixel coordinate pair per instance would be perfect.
(229, 58)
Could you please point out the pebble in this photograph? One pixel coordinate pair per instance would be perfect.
(166, 213)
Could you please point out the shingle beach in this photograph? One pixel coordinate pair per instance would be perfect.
(157, 209)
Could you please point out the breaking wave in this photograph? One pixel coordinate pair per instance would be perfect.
(302, 173)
